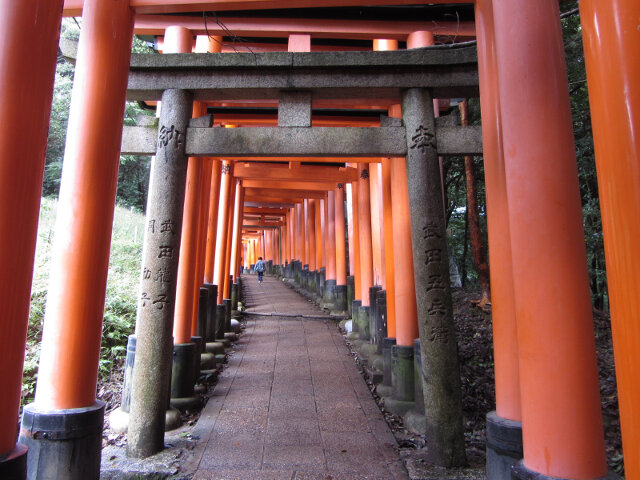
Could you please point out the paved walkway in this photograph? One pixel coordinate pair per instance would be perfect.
(291, 404)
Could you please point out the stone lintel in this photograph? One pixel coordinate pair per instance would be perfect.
(294, 109)
(205, 121)
(298, 141)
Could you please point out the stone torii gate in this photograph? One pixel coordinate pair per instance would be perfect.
(295, 80)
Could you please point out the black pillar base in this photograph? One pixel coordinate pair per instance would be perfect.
(312, 277)
(384, 389)
(351, 293)
(340, 304)
(227, 314)
(221, 312)
(330, 293)
(520, 472)
(402, 390)
(183, 375)
(14, 466)
(504, 446)
(210, 332)
(234, 296)
(63, 444)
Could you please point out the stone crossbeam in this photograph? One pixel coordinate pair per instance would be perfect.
(342, 142)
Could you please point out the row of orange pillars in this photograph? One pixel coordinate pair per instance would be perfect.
(546, 378)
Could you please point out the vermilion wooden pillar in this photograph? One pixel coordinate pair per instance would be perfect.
(29, 35)
(72, 330)
(341, 255)
(187, 268)
(377, 239)
(319, 234)
(223, 223)
(611, 33)
(502, 308)
(562, 422)
(311, 233)
(331, 236)
(364, 230)
(212, 224)
(80, 254)
(233, 192)
(390, 282)
(237, 228)
(355, 213)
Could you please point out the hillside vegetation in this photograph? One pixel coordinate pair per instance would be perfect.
(120, 302)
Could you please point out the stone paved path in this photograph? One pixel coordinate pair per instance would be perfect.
(291, 404)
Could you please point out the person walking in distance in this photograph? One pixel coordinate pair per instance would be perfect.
(259, 269)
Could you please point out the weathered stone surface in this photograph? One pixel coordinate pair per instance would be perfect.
(296, 141)
(441, 373)
(294, 109)
(156, 304)
(451, 72)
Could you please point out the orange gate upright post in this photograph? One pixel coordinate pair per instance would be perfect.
(233, 192)
(68, 370)
(611, 36)
(312, 274)
(341, 251)
(320, 268)
(504, 427)
(560, 401)
(235, 257)
(330, 274)
(366, 250)
(29, 33)
(355, 302)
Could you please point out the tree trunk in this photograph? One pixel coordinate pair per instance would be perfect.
(477, 245)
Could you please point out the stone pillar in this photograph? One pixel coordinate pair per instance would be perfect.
(442, 394)
(611, 35)
(154, 325)
(29, 36)
(65, 414)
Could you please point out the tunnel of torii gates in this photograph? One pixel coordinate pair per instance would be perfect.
(276, 185)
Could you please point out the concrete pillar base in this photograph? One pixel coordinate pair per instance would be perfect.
(312, 284)
(221, 358)
(186, 403)
(207, 361)
(363, 322)
(232, 337)
(199, 341)
(415, 422)
(384, 391)
(119, 420)
(14, 467)
(397, 407)
(63, 444)
(520, 472)
(215, 348)
(183, 375)
(322, 280)
(504, 446)
(235, 326)
(402, 396)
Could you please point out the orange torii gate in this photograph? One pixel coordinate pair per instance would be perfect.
(505, 94)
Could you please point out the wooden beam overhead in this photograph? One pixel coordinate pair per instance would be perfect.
(73, 8)
(289, 185)
(271, 193)
(265, 211)
(283, 27)
(321, 174)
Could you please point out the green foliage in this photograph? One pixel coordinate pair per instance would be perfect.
(121, 295)
(133, 174)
